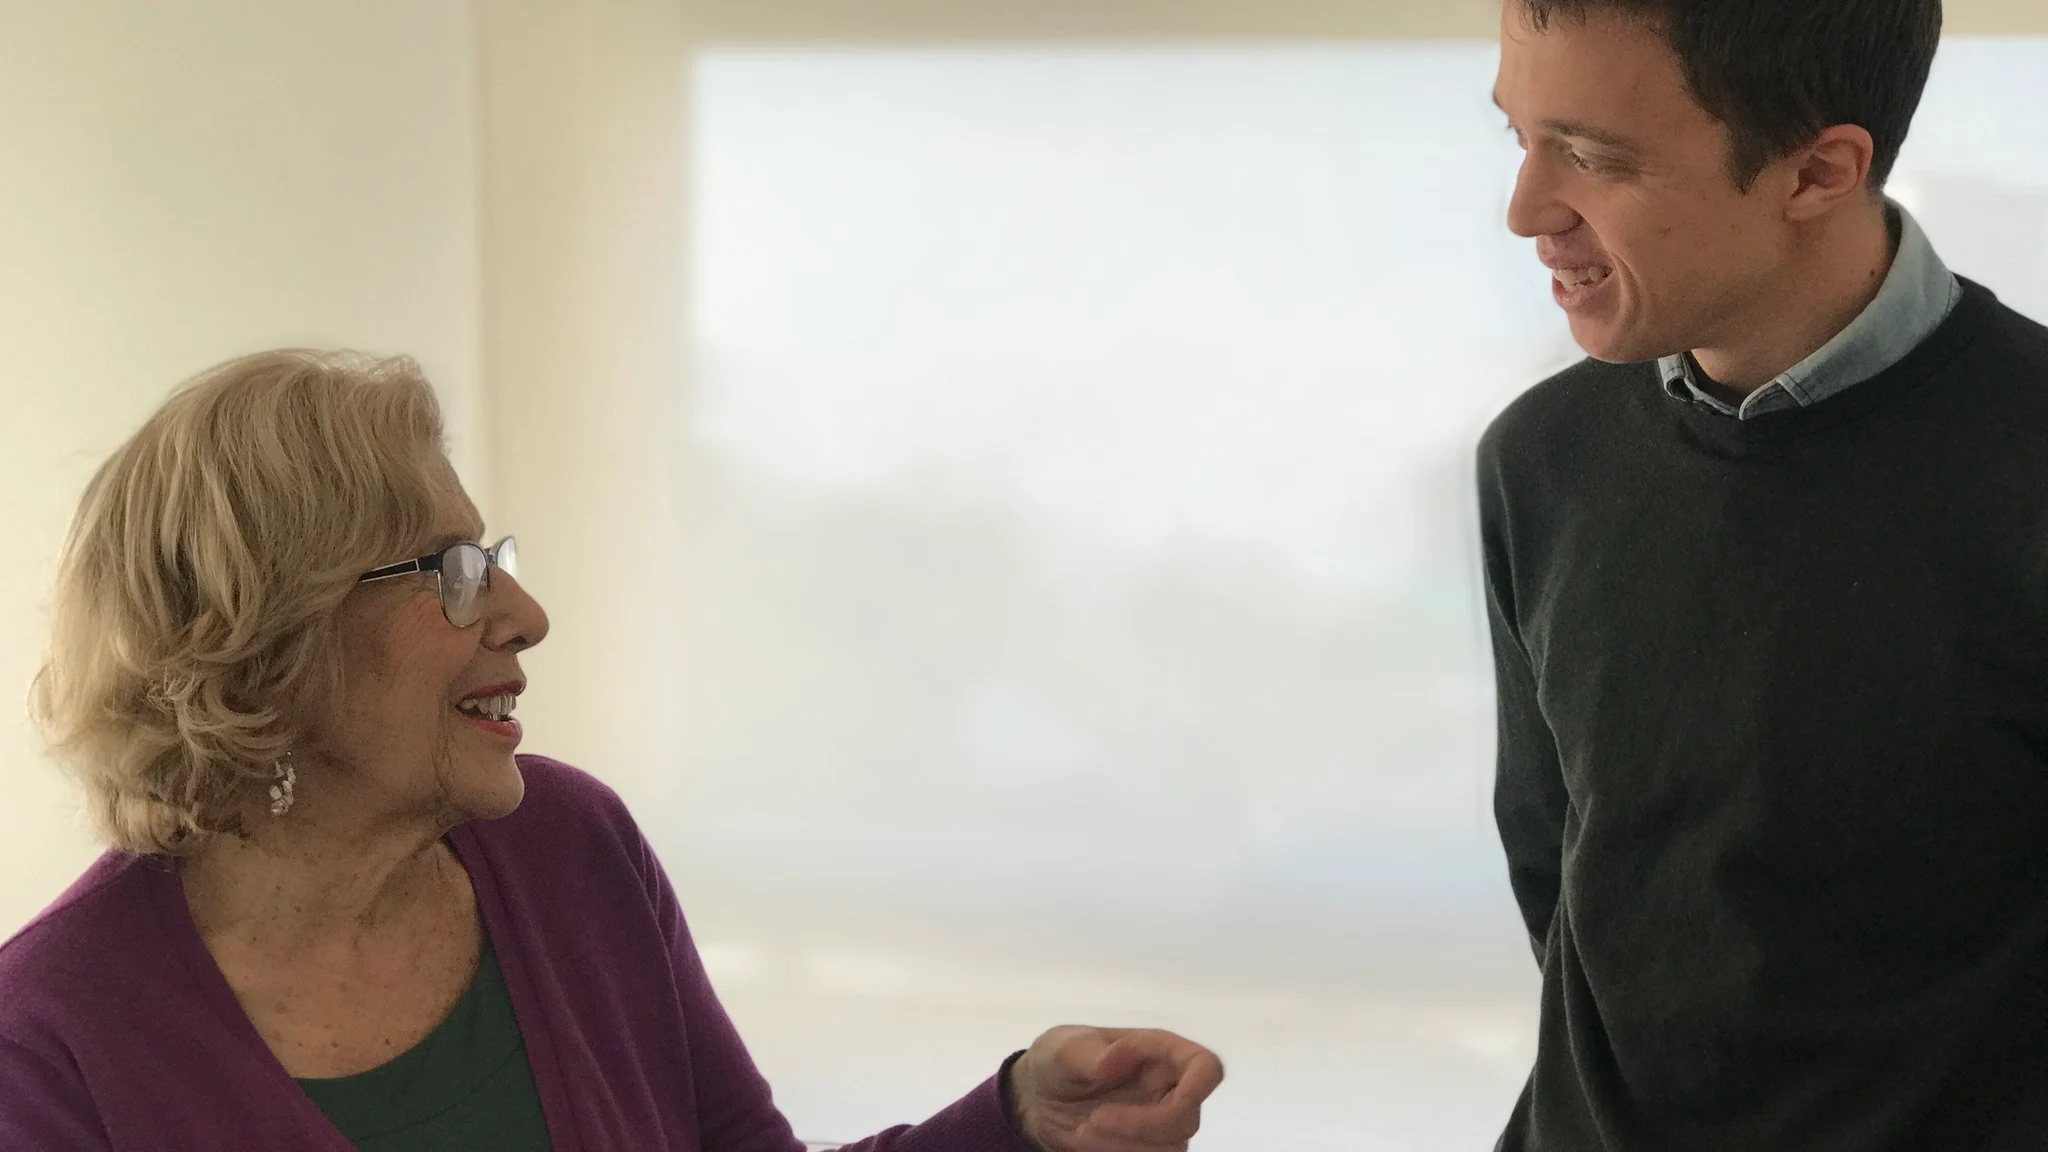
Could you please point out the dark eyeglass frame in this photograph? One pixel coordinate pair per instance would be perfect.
(504, 554)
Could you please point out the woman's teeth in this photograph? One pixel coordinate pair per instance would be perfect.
(1576, 278)
(490, 707)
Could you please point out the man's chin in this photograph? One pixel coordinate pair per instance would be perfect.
(1609, 345)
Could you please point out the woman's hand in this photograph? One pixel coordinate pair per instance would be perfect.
(1112, 1090)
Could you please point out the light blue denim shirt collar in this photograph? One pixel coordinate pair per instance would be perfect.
(1917, 295)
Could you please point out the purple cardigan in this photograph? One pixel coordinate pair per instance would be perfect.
(117, 1031)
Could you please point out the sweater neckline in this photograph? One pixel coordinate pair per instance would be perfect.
(167, 891)
(168, 896)
(1963, 327)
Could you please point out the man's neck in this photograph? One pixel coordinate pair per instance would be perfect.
(1834, 276)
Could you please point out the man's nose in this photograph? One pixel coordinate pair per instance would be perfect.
(1535, 209)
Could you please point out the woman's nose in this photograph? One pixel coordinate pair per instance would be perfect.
(517, 621)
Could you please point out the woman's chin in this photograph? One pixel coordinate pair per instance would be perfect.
(492, 790)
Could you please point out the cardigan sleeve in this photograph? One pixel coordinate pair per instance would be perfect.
(43, 1105)
(737, 1111)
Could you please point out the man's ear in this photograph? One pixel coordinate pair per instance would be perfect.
(1832, 170)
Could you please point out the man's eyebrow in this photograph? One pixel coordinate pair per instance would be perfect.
(1580, 130)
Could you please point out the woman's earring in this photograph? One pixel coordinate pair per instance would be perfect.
(281, 792)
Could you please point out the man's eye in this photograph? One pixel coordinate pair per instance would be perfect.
(1582, 162)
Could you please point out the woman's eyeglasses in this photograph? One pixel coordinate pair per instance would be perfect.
(463, 572)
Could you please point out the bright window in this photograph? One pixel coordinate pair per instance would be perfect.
(1083, 611)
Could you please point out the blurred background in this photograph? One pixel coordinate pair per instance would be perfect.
(998, 471)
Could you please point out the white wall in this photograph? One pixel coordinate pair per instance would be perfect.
(185, 181)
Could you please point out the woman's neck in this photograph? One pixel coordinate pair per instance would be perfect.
(312, 887)
(343, 950)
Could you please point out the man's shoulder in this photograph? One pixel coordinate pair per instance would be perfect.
(1571, 401)
(2014, 333)
(1988, 366)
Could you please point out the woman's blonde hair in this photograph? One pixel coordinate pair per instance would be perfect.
(196, 601)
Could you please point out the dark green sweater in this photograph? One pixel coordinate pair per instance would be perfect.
(1773, 776)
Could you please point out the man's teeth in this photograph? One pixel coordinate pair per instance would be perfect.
(1573, 278)
(490, 707)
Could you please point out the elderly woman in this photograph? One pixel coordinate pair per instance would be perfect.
(338, 910)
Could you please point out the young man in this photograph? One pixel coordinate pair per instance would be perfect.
(1768, 578)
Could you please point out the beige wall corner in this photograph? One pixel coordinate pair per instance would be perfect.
(585, 199)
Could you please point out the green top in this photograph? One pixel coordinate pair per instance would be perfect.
(466, 1086)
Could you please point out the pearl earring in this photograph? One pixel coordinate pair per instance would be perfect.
(281, 792)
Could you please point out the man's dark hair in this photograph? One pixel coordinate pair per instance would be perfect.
(1778, 72)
